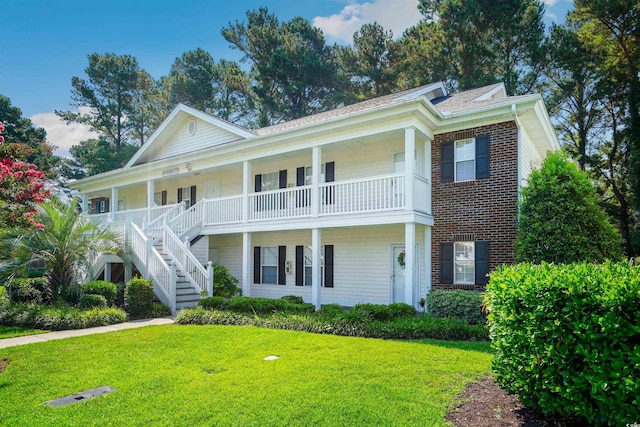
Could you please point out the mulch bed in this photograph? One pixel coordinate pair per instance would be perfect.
(484, 404)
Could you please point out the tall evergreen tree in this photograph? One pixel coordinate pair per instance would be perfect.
(560, 219)
(295, 72)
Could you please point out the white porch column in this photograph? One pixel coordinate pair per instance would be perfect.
(316, 164)
(85, 204)
(409, 165)
(409, 261)
(150, 191)
(427, 171)
(246, 189)
(316, 266)
(246, 264)
(114, 203)
(427, 260)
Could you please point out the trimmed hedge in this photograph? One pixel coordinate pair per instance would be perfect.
(458, 304)
(138, 296)
(350, 323)
(100, 287)
(567, 339)
(252, 305)
(92, 301)
(58, 318)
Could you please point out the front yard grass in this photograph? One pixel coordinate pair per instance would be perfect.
(215, 375)
(16, 331)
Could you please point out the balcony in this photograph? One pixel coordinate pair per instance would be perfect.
(385, 193)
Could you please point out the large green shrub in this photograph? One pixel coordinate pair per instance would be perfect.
(567, 338)
(92, 301)
(225, 285)
(33, 290)
(213, 303)
(560, 220)
(138, 296)
(458, 304)
(100, 287)
(400, 309)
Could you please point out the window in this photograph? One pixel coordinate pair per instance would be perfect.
(308, 266)
(464, 266)
(270, 181)
(465, 158)
(464, 262)
(269, 265)
(308, 174)
(304, 266)
(186, 196)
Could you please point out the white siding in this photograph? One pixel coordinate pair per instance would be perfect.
(201, 250)
(362, 262)
(207, 135)
(530, 158)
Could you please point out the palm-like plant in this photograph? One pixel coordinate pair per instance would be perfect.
(68, 245)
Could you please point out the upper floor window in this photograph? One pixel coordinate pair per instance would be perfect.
(465, 159)
(270, 181)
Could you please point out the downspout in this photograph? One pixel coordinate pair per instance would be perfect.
(514, 113)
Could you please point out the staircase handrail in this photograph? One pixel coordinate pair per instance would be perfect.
(199, 276)
(167, 215)
(187, 220)
(163, 274)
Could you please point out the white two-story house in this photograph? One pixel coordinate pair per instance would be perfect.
(376, 202)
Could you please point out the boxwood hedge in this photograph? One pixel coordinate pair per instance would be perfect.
(567, 338)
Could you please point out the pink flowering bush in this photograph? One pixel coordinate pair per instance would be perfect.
(21, 187)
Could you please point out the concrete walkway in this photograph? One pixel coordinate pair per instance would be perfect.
(58, 335)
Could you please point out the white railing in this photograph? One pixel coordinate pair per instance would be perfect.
(162, 274)
(363, 195)
(285, 203)
(224, 210)
(421, 190)
(187, 220)
(137, 216)
(187, 262)
(99, 218)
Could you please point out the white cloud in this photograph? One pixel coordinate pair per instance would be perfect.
(394, 15)
(60, 134)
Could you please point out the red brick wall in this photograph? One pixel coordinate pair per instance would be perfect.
(484, 209)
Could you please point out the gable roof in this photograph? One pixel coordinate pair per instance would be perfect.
(159, 144)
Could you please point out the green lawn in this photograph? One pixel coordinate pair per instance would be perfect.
(16, 331)
(216, 376)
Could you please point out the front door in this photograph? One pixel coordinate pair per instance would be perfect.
(397, 273)
(212, 190)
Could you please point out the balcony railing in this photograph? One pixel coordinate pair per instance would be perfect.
(357, 196)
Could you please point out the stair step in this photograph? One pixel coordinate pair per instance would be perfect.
(188, 304)
(188, 298)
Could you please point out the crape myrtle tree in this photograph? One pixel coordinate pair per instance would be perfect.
(21, 187)
(560, 219)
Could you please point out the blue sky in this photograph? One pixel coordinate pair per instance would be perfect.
(46, 42)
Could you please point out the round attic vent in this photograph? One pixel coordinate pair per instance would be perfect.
(193, 126)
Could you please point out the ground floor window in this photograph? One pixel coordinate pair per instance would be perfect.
(304, 266)
(464, 262)
(269, 265)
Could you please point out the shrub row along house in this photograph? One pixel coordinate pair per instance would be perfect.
(329, 207)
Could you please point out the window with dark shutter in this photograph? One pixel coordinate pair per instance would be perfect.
(302, 196)
(299, 265)
(329, 176)
(328, 266)
(179, 195)
(256, 264)
(446, 262)
(481, 262)
(192, 201)
(482, 156)
(163, 200)
(282, 183)
(447, 162)
(282, 259)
